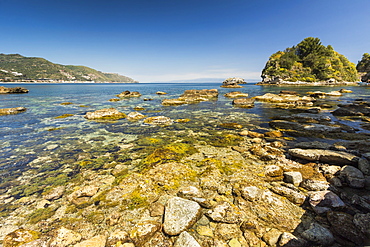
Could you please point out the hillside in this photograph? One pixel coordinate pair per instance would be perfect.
(309, 61)
(363, 67)
(15, 67)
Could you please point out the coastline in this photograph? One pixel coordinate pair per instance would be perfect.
(302, 83)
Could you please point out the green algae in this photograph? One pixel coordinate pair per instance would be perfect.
(64, 116)
(40, 214)
(224, 140)
(137, 200)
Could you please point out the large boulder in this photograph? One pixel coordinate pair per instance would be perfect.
(353, 177)
(244, 102)
(9, 111)
(324, 201)
(233, 82)
(105, 114)
(4, 90)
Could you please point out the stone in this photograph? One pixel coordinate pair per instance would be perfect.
(189, 192)
(273, 171)
(114, 100)
(55, 193)
(292, 195)
(227, 231)
(226, 213)
(231, 126)
(5, 90)
(236, 94)
(128, 94)
(161, 93)
(325, 156)
(233, 82)
(272, 237)
(64, 237)
(251, 193)
(314, 185)
(353, 176)
(362, 222)
(253, 134)
(186, 240)
(323, 201)
(158, 240)
(293, 178)
(342, 224)
(83, 195)
(205, 231)
(156, 209)
(244, 102)
(118, 236)
(105, 114)
(19, 237)
(10, 111)
(192, 96)
(144, 231)
(180, 214)
(285, 98)
(364, 166)
(159, 120)
(133, 116)
(318, 235)
(96, 241)
(289, 240)
(274, 134)
(234, 243)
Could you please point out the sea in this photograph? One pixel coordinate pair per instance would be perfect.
(45, 132)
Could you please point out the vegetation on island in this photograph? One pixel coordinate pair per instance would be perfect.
(363, 67)
(15, 67)
(309, 61)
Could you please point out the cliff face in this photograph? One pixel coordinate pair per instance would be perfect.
(309, 61)
(363, 67)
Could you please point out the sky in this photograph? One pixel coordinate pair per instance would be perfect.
(182, 40)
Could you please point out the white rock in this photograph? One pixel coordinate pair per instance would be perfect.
(186, 240)
(293, 177)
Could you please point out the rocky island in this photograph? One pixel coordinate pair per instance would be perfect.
(309, 62)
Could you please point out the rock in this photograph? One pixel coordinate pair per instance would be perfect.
(325, 156)
(314, 185)
(205, 231)
(83, 195)
(291, 195)
(273, 171)
(353, 176)
(4, 90)
(364, 166)
(342, 224)
(227, 231)
(305, 118)
(244, 102)
(105, 114)
(313, 145)
(161, 93)
(251, 193)
(355, 109)
(233, 82)
(186, 240)
(189, 192)
(343, 90)
(231, 126)
(362, 222)
(180, 214)
(114, 100)
(293, 178)
(226, 213)
(144, 231)
(286, 125)
(128, 94)
(159, 120)
(192, 96)
(156, 209)
(252, 134)
(159, 240)
(97, 241)
(323, 201)
(285, 98)
(118, 236)
(64, 237)
(274, 134)
(236, 95)
(10, 111)
(133, 116)
(318, 235)
(272, 237)
(289, 240)
(55, 193)
(19, 237)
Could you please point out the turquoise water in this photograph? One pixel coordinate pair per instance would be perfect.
(38, 134)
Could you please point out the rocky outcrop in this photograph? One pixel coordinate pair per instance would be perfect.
(134, 116)
(326, 156)
(192, 96)
(105, 114)
(286, 98)
(236, 95)
(233, 82)
(4, 90)
(244, 102)
(10, 111)
(128, 94)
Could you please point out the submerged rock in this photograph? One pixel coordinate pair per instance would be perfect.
(9, 111)
(4, 90)
(159, 120)
(244, 102)
(326, 156)
(135, 116)
(192, 96)
(128, 94)
(180, 215)
(105, 114)
(64, 237)
(236, 94)
(19, 237)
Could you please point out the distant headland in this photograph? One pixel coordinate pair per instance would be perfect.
(17, 68)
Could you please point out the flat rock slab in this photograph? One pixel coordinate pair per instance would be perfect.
(180, 214)
(9, 111)
(325, 156)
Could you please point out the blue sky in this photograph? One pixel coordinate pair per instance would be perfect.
(158, 40)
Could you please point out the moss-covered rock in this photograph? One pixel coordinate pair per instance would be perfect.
(105, 114)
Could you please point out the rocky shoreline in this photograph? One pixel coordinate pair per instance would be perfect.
(236, 187)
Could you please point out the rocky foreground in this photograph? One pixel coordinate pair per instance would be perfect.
(240, 188)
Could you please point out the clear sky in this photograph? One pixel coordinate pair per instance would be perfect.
(164, 40)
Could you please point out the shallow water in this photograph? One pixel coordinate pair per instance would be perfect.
(39, 133)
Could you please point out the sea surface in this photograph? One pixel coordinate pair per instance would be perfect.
(42, 132)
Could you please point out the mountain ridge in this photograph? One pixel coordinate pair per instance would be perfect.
(15, 67)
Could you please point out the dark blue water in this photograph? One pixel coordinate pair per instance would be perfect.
(38, 133)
